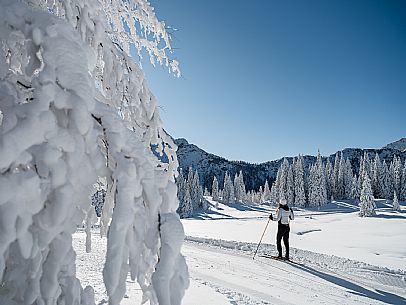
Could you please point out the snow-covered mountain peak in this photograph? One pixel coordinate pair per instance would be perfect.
(181, 141)
(399, 145)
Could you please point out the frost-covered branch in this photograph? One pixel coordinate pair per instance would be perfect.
(75, 107)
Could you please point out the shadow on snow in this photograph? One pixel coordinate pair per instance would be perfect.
(383, 296)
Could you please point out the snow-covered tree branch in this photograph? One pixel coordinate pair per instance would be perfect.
(76, 107)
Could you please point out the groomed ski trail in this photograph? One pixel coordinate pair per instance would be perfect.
(223, 272)
(228, 267)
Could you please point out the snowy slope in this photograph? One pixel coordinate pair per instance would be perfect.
(339, 258)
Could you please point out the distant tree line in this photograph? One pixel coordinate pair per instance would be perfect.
(320, 183)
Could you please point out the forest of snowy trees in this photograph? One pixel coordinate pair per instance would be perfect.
(190, 192)
(322, 182)
(317, 184)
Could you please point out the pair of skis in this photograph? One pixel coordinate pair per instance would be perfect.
(277, 258)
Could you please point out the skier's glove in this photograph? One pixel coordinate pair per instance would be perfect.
(271, 217)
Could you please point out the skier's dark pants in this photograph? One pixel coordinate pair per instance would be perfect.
(283, 232)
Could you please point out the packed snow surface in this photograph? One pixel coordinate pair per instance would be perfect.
(338, 258)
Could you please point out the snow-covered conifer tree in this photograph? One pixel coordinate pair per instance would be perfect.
(340, 186)
(282, 181)
(312, 185)
(290, 186)
(197, 191)
(329, 179)
(367, 203)
(181, 184)
(267, 191)
(365, 167)
(336, 169)
(228, 190)
(76, 107)
(190, 180)
(186, 208)
(300, 196)
(215, 189)
(317, 184)
(355, 191)
(239, 188)
(274, 193)
(403, 184)
(376, 176)
(385, 182)
(396, 173)
(277, 183)
(348, 176)
(396, 206)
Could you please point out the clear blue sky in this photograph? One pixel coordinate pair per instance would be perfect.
(267, 79)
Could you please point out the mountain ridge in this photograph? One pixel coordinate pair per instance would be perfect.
(255, 174)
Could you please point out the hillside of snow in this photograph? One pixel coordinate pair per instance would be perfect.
(338, 257)
(209, 165)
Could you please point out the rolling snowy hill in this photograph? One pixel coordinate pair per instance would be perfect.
(209, 165)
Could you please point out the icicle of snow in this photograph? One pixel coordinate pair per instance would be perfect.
(170, 278)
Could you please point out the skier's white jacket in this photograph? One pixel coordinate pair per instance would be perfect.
(285, 214)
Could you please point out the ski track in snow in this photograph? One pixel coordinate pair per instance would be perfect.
(227, 268)
(329, 279)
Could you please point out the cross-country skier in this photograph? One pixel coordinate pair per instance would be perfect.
(284, 215)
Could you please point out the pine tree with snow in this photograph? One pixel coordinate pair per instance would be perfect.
(365, 167)
(340, 186)
(283, 180)
(317, 184)
(336, 169)
(300, 196)
(329, 178)
(290, 186)
(385, 182)
(367, 203)
(197, 191)
(189, 180)
(239, 188)
(181, 184)
(186, 208)
(396, 206)
(312, 186)
(215, 189)
(267, 192)
(228, 190)
(348, 176)
(274, 194)
(355, 189)
(396, 173)
(376, 175)
(277, 184)
(403, 184)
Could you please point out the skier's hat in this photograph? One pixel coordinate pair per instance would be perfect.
(283, 202)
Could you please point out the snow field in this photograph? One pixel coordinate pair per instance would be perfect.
(220, 244)
(334, 230)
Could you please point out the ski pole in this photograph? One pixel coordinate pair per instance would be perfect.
(261, 239)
